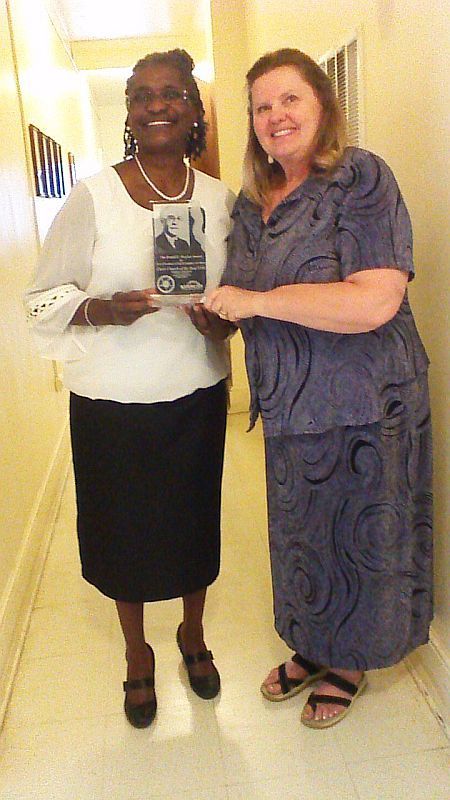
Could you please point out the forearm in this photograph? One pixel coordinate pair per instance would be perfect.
(343, 307)
(99, 312)
(124, 308)
(338, 307)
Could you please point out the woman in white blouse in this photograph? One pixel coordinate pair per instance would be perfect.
(148, 398)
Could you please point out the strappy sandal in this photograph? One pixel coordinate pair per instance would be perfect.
(292, 686)
(143, 714)
(205, 686)
(353, 689)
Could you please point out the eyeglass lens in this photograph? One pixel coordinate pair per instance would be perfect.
(169, 96)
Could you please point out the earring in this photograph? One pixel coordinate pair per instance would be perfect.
(269, 160)
(195, 139)
(129, 142)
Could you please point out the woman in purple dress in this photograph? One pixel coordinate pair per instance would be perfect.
(318, 266)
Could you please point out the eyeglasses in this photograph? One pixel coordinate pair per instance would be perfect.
(168, 96)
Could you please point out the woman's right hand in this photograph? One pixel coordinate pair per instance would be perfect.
(127, 307)
(124, 308)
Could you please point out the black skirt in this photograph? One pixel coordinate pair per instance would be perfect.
(148, 485)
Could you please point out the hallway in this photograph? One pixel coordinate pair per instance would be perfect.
(66, 738)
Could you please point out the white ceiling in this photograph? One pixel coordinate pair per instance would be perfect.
(120, 19)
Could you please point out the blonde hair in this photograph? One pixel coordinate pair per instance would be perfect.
(259, 177)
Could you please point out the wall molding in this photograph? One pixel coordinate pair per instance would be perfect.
(430, 668)
(16, 603)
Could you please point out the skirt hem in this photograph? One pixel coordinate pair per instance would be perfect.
(353, 664)
(112, 595)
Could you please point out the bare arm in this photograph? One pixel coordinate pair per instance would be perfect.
(124, 308)
(362, 302)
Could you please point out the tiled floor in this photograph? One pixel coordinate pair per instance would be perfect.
(66, 738)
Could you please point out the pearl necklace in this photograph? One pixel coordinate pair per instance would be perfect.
(155, 188)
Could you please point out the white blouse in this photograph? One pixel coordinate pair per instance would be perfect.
(101, 242)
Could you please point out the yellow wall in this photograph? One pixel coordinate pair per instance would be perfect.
(32, 414)
(101, 54)
(54, 93)
(229, 46)
(404, 107)
(404, 47)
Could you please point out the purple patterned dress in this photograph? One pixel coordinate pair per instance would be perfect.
(346, 422)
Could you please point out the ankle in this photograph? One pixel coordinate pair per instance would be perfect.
(348, 674)
(192, 629)
(137, 651)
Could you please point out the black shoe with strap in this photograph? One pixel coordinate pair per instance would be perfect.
(142, 714)
(292, 686)
(205, 686)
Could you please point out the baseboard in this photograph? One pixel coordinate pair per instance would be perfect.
(430, 668)
(18, 598)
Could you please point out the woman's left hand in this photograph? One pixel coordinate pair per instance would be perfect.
(207, 323)
(231, 303)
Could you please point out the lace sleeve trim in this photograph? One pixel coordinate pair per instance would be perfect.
(43, 305)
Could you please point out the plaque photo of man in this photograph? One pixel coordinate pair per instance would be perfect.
(174, 236)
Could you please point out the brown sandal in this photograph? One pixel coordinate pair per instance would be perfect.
(353, 689)
(292, 686)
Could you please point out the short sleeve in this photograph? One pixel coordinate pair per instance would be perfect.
(230, 201)
(373, 225)
(234, 206)
(62, 275)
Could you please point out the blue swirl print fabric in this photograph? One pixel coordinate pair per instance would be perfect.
(350, 531)
(304, 380)
(347, 426)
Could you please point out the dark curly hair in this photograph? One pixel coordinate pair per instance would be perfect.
(183, 63)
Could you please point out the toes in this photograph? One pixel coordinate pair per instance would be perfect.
(328, 712)
(271, 679)
(322, 712)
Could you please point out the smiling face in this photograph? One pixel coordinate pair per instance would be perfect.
(286, 116)
(160, 113)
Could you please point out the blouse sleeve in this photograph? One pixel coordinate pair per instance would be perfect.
(230, 200)
(373, 226)
(233, 207)
(62, 275)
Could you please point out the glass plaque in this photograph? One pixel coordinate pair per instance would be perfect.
(179, 253)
